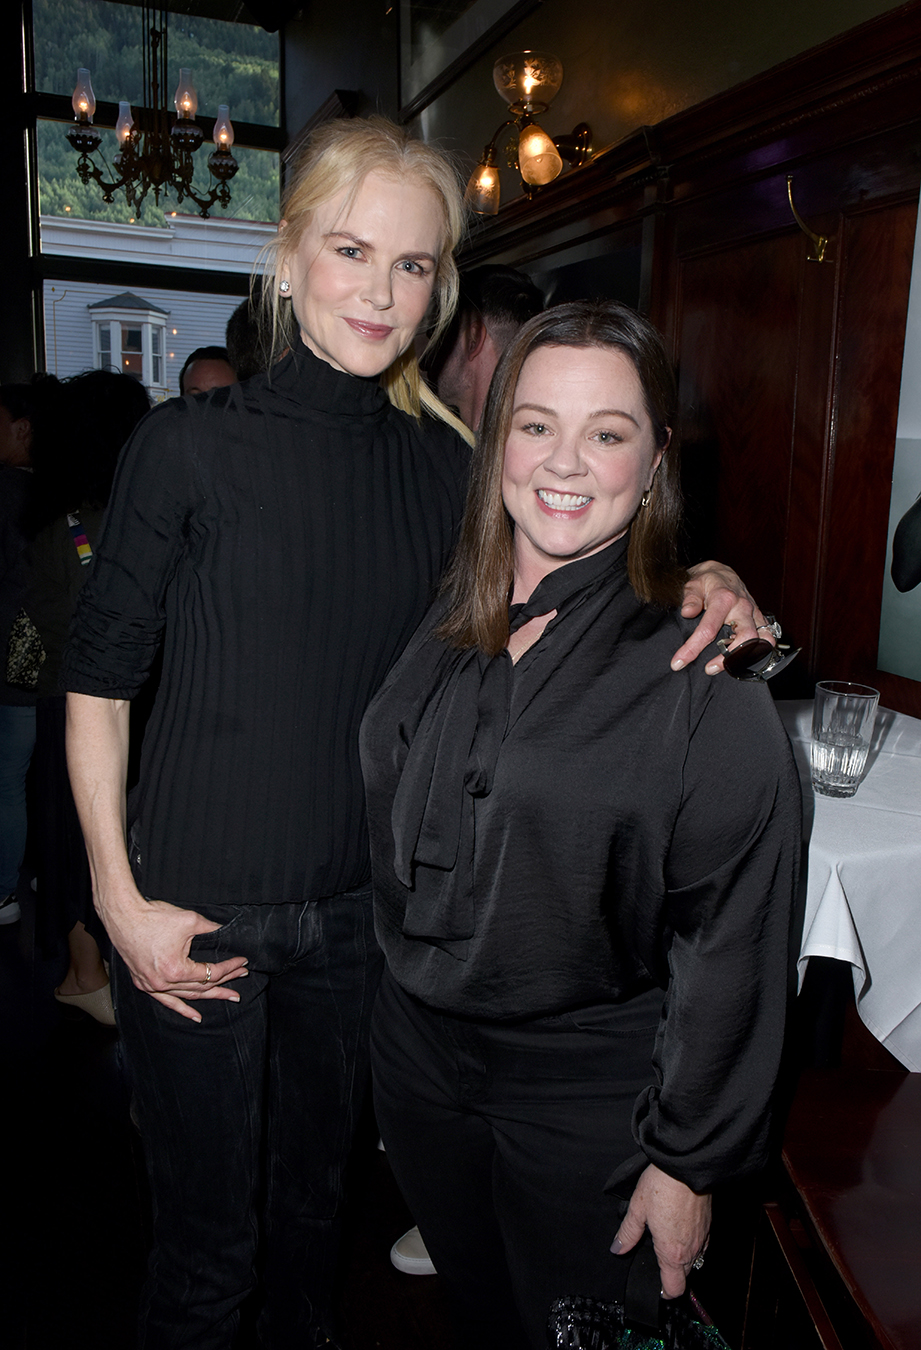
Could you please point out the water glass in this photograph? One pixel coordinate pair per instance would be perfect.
(842, 729)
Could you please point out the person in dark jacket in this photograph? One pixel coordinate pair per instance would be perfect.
(584, 904)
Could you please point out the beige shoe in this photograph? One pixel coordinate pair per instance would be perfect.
(408, 1254)
(98, 1004)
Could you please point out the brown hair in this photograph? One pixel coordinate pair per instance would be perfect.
(479, 579)
(339, 156)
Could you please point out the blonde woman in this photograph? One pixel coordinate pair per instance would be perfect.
(281, 539)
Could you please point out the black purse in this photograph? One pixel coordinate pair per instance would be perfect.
(643, 1322)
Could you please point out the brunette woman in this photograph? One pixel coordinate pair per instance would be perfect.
(583, 898)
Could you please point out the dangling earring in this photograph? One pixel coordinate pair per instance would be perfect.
(644, 500)
(284, 287)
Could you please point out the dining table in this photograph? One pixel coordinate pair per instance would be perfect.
(863, 876)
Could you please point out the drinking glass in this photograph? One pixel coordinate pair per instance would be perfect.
(842, 728)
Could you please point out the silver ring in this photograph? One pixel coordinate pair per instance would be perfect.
(698, 1261)
(771, 626)
(207, 979)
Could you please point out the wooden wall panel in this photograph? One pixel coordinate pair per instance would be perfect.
(877, 249)
(736, 308)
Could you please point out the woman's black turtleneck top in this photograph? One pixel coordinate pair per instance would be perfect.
(282, 538)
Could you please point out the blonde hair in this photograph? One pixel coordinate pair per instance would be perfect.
(339, 156)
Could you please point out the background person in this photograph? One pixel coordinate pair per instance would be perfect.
(905, 568)
(106, 406)
(206, 368)
(249, 335)
(585, 910)
(21, 425)
(493, 304)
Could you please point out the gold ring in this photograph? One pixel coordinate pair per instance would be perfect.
(207, 979)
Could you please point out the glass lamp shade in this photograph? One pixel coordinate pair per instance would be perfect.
(186, 99)
(482, 195)
(83, 101)
(223, 130)
(125, 122)
(528, 81)
(538, 158)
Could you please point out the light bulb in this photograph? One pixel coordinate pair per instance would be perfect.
(482, 193)
(223, 131)
(538, 158)
(186, 99)
(84, 100)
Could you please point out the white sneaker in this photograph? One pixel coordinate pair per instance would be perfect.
(408, 1254)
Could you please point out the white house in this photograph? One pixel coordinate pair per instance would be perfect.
(146, 331)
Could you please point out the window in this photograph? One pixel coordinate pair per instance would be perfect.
(134, 330)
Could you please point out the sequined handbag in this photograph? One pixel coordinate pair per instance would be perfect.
(589, 1324)
(25, 653)
(643, 1322)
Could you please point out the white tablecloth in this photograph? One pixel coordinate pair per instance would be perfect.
(863, 895)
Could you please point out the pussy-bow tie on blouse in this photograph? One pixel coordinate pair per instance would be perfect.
(452, 760)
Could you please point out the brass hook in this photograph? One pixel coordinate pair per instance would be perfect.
(820, 241)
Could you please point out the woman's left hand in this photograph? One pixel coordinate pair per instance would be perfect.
(678, 1220)
(721, 595)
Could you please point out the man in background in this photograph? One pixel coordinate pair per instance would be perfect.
(249, 336)
(494, 302)
(206, 368)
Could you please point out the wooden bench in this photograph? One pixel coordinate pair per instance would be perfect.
(837, 1260)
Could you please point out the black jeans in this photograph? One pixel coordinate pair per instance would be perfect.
(501, 1137)
(247, 1119)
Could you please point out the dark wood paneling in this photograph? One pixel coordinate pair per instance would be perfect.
(737, 383)
(877, 249)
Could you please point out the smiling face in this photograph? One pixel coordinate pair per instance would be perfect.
(579, 456)
(362, 273)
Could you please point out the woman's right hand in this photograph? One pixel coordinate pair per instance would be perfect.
(153, 939)
(678, 1220)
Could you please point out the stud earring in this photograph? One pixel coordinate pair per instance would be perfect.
(284, 287)
(644, 500)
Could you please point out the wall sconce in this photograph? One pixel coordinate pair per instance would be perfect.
(529, 82)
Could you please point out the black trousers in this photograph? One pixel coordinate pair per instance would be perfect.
(247, 1120)
(502, 1137)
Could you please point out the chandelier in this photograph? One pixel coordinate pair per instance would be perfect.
(154, 156)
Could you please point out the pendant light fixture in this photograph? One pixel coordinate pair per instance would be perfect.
(152, 155)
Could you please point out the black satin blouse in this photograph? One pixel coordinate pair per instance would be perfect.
(628, 826)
